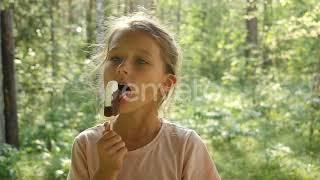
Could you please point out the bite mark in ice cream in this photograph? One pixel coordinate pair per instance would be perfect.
(113, 108)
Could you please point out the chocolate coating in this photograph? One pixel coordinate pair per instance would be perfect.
(108, 111)
(113, 110)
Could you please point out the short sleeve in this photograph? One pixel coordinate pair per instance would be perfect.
(197, 161)
(78, 169)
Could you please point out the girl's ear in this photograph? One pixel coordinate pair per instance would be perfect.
(169, 81)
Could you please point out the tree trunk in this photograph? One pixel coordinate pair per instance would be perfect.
(131, 6)
(90, 30)
(315, 99)
(53, 38)
(251, 50)
(69, 27)
(128, 6)
(315, 96)
(252, 27)
(2, 119)
(70, 11)
(118, 7)
(178, 17)
(125, 9)
(152, 6)
(99, 21)
(267, 7)
(9, 86)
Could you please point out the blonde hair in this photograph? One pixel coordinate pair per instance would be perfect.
(170, 51)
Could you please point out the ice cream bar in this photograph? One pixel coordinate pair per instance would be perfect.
(111, 102)
(112, 99)
(113, 92)
(111, 87)
(113, 108)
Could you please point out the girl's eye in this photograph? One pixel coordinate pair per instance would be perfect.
(116, 59)
(141, 61)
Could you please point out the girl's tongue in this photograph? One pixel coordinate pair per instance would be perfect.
(122, 88)
(124, 91)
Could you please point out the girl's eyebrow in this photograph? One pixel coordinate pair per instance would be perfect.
(142, 51)
(113, 48)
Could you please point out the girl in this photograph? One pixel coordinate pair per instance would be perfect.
(141, 55)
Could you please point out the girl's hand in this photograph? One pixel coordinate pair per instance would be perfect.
(112, 151)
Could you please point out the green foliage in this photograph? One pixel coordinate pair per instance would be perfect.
(252, 110)
(258, 113)
(8, 159)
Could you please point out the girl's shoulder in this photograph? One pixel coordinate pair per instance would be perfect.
(187, 139)
(181, 134)
(174, 128)
(91, 134)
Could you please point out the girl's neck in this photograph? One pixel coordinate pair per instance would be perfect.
(138, 125)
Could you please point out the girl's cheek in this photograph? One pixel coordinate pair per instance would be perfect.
(109, 73)
(151, 93)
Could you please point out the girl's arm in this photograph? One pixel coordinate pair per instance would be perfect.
(197, 161)
(78, 169)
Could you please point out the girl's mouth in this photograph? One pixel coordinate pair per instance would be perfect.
(125, 93)
(120, 95)
(122, 88)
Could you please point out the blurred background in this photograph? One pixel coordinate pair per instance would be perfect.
(250, 82)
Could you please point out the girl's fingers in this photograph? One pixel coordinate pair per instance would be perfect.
(116, 147)
(108, 135)
(123, 151)
(112, 141)
(106, 127)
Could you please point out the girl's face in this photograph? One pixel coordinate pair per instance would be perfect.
(134, 59)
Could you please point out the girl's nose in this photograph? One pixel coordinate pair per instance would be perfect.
(123, 67)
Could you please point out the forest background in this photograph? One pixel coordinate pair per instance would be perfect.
(250, 82)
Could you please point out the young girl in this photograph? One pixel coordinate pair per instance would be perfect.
(141, 55)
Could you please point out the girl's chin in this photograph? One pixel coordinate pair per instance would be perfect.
(129, 101)
(128, 97)
(124, 100)
(126, 106)
(126, 109)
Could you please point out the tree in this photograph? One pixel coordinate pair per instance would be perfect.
(90, 29)
(178, 16)
(131, 6)
(9, 88)
(252, 27)
(99, 20)
(2, 119)
(53, 37)
(267, 9)
(70, 11)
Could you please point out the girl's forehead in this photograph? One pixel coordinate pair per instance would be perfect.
(118, 35)
(133, 38)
